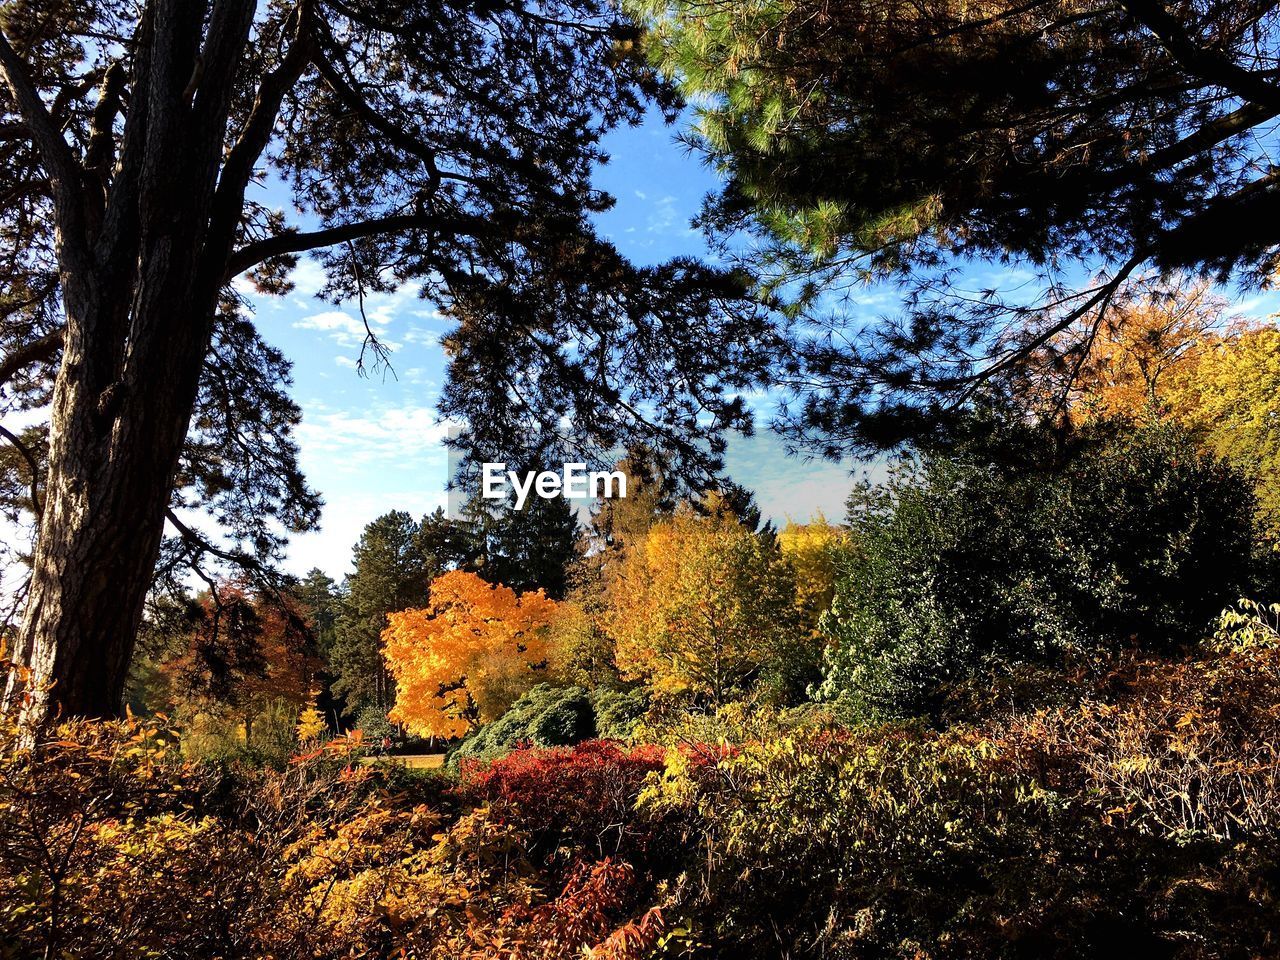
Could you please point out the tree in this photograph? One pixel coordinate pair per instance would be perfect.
(466, 656)
(392, 572)
(1230, 398)
(447, 144)
(813, 551)
(1184, 357)
(651, 496)
(318, 600)
(529, 549)
(964, 568)
(863, 141)
(243, 655)
(1142, 352)
(311, 723)
(702, 607)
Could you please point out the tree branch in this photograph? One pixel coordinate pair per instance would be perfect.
(251, 254)
(392, 131)
(42, 348)
(25, 452)
(64, 172)
(228, 201)
(1197, 59)
(204, 546)
(1211, 134)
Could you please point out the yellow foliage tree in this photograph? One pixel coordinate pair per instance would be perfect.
(812, 550)
(1216, 375)
(1143, 350)
(311, 725)
(701, 606)
(467, 656)
(1231, 399)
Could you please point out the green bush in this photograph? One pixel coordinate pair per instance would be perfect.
(373, 725)
(962, 566)
(546, 716)
(617, 711)
(551, 716)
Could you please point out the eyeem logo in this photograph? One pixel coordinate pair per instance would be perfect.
(572, 481)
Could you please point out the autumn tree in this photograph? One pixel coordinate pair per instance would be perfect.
(466, 656)
(701, 607)
(1230, 398)
(1180, 354)
(311, 722)
(651, 496)
(938, 143)
(813, 550)
(1147, 345)
(244, 654)
(450, 144)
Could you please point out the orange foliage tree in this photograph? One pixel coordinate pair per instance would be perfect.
(1143, 350)
(245, 653)
(466, 656)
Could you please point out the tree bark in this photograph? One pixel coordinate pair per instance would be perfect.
(112, 461)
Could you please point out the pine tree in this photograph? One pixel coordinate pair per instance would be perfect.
(448, 144)
(391, 573)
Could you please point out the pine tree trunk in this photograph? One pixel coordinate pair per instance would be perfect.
(112, 461)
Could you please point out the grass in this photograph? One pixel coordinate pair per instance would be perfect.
(414, 761)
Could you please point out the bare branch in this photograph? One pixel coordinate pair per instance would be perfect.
(381, 356)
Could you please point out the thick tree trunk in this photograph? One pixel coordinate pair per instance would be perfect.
(111, 467)
(143, 263)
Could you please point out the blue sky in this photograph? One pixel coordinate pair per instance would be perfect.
(370, 445)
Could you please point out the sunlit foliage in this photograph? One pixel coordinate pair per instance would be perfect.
(701, 607)
(466, 656)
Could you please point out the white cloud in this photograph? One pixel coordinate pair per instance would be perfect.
(420, 336)
(342, 328)
(390, 438)
(664, 215)
(308, 277)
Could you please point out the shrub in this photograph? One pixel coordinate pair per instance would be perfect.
(1140, 821)
(578, 798)
(1179, 750)
(963, 566)
(373, 724)
(551, 716)
(617, 711)
(904, 843)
